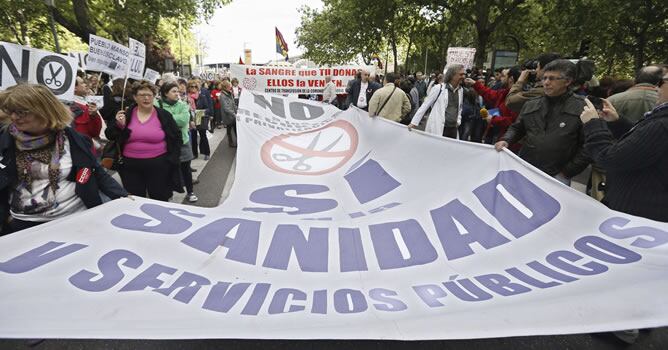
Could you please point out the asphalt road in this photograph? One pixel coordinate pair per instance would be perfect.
(212, 188)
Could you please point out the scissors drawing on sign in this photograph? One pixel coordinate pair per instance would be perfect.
(308, 153)
(54, 76)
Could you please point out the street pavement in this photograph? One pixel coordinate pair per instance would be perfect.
(216, 177)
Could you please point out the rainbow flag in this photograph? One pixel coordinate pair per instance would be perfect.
(281, 45)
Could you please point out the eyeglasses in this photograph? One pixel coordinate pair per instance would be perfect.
(19, 113)
(552, 78)
(144, 95)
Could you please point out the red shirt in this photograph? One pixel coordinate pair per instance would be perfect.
(497, 98)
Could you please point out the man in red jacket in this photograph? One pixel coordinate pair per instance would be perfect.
(497, 98)
(87, 120)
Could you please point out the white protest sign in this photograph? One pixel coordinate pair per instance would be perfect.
(137, 59)
(332, 231)
(290, 80)
(107, 56)
(98, 100)
(151, 75)
(81, 57)
(21, 64)
(461, 55)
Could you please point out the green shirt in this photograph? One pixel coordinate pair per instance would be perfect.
(181, 114)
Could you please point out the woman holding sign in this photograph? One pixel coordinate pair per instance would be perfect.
(150, 142)
(47, 170)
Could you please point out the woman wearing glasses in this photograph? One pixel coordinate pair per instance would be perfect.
(150, 143)
(47, 170)
(204, 104)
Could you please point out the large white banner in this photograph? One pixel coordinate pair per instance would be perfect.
(107, 56)
(290, 80)
(137, 59)
(22, 64)
(342, 226)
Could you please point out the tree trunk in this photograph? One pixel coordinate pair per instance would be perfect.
(481, 47)
(408, 52)
(393, 44)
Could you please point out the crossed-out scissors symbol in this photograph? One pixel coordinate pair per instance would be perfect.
(54, 76)
(301, 164)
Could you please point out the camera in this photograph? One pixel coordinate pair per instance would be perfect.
(532, 65)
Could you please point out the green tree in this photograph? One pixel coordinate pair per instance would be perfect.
(155, 23)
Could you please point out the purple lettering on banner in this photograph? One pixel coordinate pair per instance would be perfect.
(384, 207)
(601, 249)
(276, 106)
(110, 270)
(242, 247)
(370, 181)
(501, 284)
(189, 283)
(455, 244)
(418, 249)
(522, 276)
(222, 298)
(430, 293)
(39, 256)
(256, 299)
(276, 196)
(613, 227)
(466, 290)
(298, 111)
(169, 224)
(351, 250)
(563, 259)
(148, 278)
(311, 253)
(538, 267)
(542, 206)
(319, 305)
(349, 301)
(384, 296)
(280, 299)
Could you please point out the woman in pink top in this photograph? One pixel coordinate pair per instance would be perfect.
(150, 144)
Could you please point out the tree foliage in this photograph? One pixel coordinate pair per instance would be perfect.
(621, 35)
(155, 23)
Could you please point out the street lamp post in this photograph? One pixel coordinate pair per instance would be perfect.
(52, 5)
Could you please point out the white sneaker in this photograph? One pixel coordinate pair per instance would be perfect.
(192, 198)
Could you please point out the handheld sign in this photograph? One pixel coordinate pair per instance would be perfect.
(22, 64)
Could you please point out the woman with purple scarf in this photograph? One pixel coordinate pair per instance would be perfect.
(47, 170)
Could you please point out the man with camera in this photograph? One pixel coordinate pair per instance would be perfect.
(551, 126)
(529, 84)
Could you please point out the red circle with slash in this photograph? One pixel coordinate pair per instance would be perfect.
(305, 159)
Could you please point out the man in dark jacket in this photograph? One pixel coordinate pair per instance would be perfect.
(636, 165)
(362, 90)
(551, 126)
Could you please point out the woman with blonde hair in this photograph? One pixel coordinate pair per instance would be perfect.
(47, 170)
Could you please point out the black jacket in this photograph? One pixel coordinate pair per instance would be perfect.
(553, 136)
(355, 92)
(636, 166)
(172, 138)
(82, 158)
